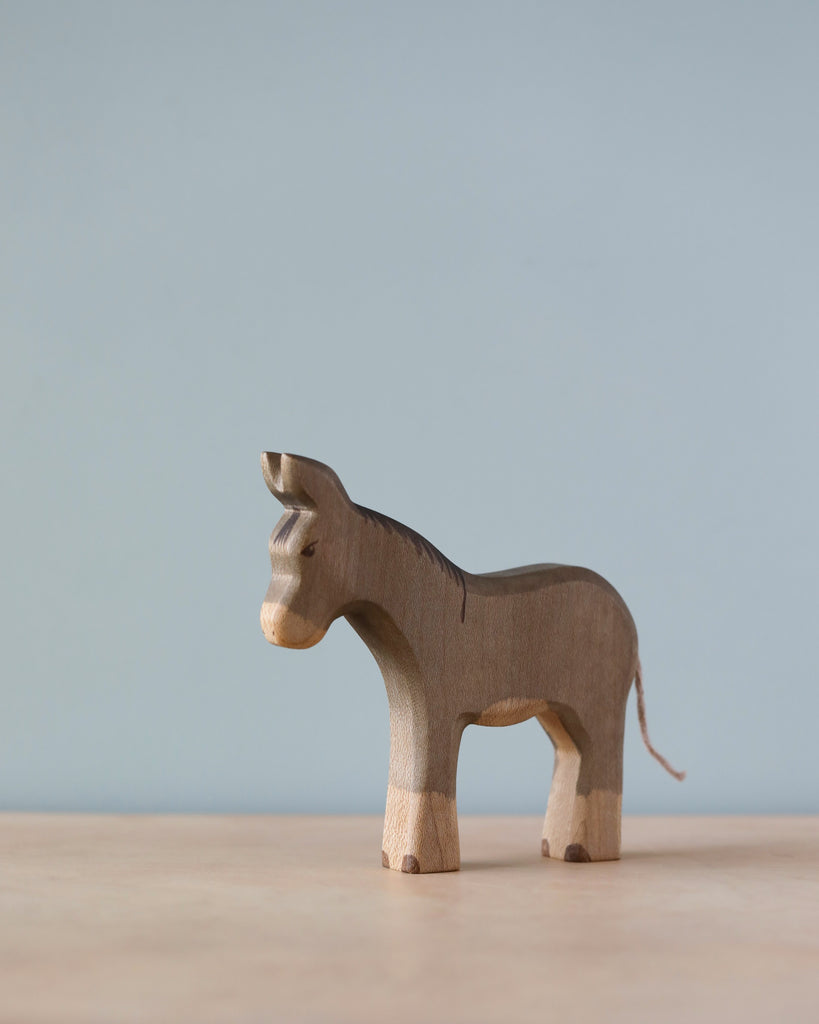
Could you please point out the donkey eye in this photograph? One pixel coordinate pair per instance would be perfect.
(310, 550)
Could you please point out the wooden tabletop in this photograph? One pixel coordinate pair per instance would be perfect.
(292, 919)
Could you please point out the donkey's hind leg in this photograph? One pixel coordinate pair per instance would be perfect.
(583, 813)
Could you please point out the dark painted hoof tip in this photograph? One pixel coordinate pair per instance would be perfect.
(544, 848)
(385, 860)
(410, 865)
(577, 854)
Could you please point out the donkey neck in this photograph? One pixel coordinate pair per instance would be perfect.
(398, 569)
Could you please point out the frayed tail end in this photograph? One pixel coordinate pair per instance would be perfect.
(641, 714)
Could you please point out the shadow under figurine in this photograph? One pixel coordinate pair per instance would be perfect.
(552, 641)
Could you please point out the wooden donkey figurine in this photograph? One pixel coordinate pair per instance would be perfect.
(553, 641)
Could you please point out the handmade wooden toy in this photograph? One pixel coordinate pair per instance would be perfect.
(552, 641)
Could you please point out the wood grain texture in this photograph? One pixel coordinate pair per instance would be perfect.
(218, 920)
(552, 641)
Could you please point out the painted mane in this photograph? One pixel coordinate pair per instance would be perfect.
(421, 545)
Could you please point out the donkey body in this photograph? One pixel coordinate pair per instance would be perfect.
(551, 641)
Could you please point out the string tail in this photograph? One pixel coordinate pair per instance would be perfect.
(641, 714)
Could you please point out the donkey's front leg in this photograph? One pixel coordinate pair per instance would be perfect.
(421, 823)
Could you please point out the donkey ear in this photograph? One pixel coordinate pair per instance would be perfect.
(296, 480)
(272, 472)
(314, 483)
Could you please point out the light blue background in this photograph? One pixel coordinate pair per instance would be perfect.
(539, 280)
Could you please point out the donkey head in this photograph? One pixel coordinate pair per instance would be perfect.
(309, 551)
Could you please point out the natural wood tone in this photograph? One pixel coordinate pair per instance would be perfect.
(551, 641)
(218, 920)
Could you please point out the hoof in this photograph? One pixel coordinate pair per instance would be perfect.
(544, 848)
(385, 860)
(577, 854)
(410, 865)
